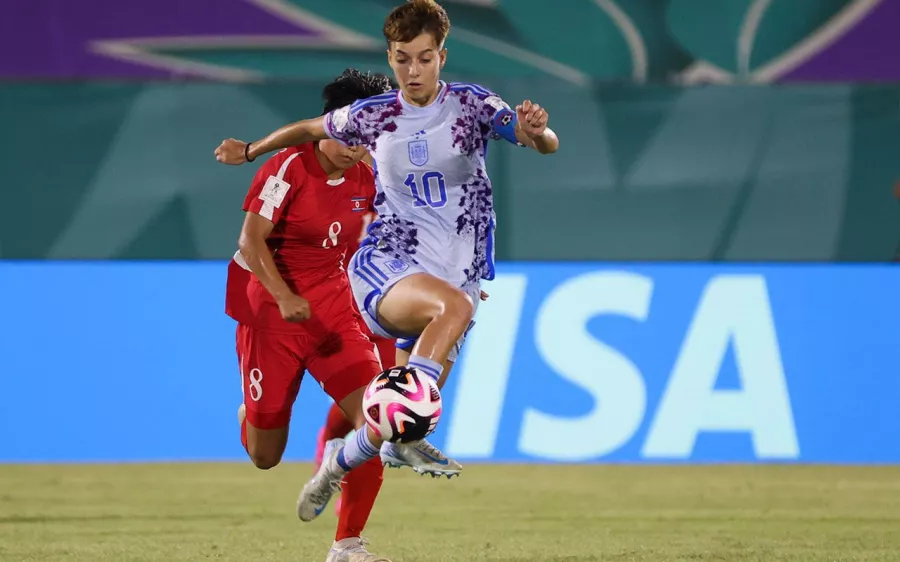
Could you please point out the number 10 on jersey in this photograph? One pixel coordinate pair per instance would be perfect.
(429, 191)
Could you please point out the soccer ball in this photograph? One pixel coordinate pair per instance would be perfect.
(402, 405)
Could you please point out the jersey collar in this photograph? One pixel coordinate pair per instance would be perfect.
(442, 93)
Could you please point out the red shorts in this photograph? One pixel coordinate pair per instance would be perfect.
(272, 367)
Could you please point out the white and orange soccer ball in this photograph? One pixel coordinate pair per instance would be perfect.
(402, 405)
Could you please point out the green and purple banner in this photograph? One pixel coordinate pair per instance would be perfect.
(575, 41)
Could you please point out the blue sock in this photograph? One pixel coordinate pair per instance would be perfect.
(356, 451)
(431, 368)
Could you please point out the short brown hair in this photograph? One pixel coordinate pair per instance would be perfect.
(414, 18)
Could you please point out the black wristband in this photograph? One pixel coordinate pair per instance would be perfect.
(247, 152)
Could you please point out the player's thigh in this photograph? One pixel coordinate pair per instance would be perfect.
(347, 371)
(398, 298)
(271, 372)
(414, 301)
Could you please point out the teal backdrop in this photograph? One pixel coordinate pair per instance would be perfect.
(660, 172)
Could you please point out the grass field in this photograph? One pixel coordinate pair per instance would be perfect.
(171, 512)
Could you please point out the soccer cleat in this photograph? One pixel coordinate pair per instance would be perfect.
(354, 553)
(320, 451)
(327, 480)
(421, 456)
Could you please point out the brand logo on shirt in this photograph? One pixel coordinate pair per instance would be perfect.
(358, 204)
(418, 152)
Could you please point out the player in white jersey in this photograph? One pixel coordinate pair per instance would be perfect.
(417, 275)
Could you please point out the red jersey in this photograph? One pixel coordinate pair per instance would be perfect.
(315, 218)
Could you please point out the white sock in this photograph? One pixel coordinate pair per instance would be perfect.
(346, 543)
(355, 452)
(431, 368)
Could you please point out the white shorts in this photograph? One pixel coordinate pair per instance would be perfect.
(372, 273)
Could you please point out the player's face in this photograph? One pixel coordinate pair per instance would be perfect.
(417, 67)
(342, 156)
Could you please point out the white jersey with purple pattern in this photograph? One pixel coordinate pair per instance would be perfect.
(434, 199)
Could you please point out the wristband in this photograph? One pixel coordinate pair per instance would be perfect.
(247, 152)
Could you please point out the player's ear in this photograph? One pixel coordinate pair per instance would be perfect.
(443, 55)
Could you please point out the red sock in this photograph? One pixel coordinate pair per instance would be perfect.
(387, 351)
(336, 424)
(358, 493)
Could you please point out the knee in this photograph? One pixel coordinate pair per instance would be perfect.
(459, 307)
(264, 460)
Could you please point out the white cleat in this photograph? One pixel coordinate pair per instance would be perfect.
(327, 480)
(354, 553)
(421, 456)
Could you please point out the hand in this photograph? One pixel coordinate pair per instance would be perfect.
(231, 151)
(532, 118)
(484, 296)
(294, 308)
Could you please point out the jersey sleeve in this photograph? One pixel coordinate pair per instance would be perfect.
(275, 185)
(344, 124)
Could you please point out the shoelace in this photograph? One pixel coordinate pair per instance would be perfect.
(428, 448)
(322, 495)
(361, 546)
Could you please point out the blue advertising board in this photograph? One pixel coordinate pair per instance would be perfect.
(586, 362)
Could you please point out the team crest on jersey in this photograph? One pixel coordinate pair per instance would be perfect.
(418, 152)
(397, 266)
(359, 204)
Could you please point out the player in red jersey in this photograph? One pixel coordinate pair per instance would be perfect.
(295, 312)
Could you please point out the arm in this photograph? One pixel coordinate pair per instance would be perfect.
(253, 247)
(532, 130)
(234, 152)
(301, 132)
(527, 126)
(545, 143)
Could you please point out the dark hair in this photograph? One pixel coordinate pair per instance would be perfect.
(353, 85)
(414, 18)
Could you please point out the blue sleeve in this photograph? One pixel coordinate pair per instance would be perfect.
(504, 125)
(503, 120)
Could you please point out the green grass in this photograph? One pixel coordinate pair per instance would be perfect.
(172, 512)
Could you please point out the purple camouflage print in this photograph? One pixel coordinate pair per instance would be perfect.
(477, 210)
(366, 123)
